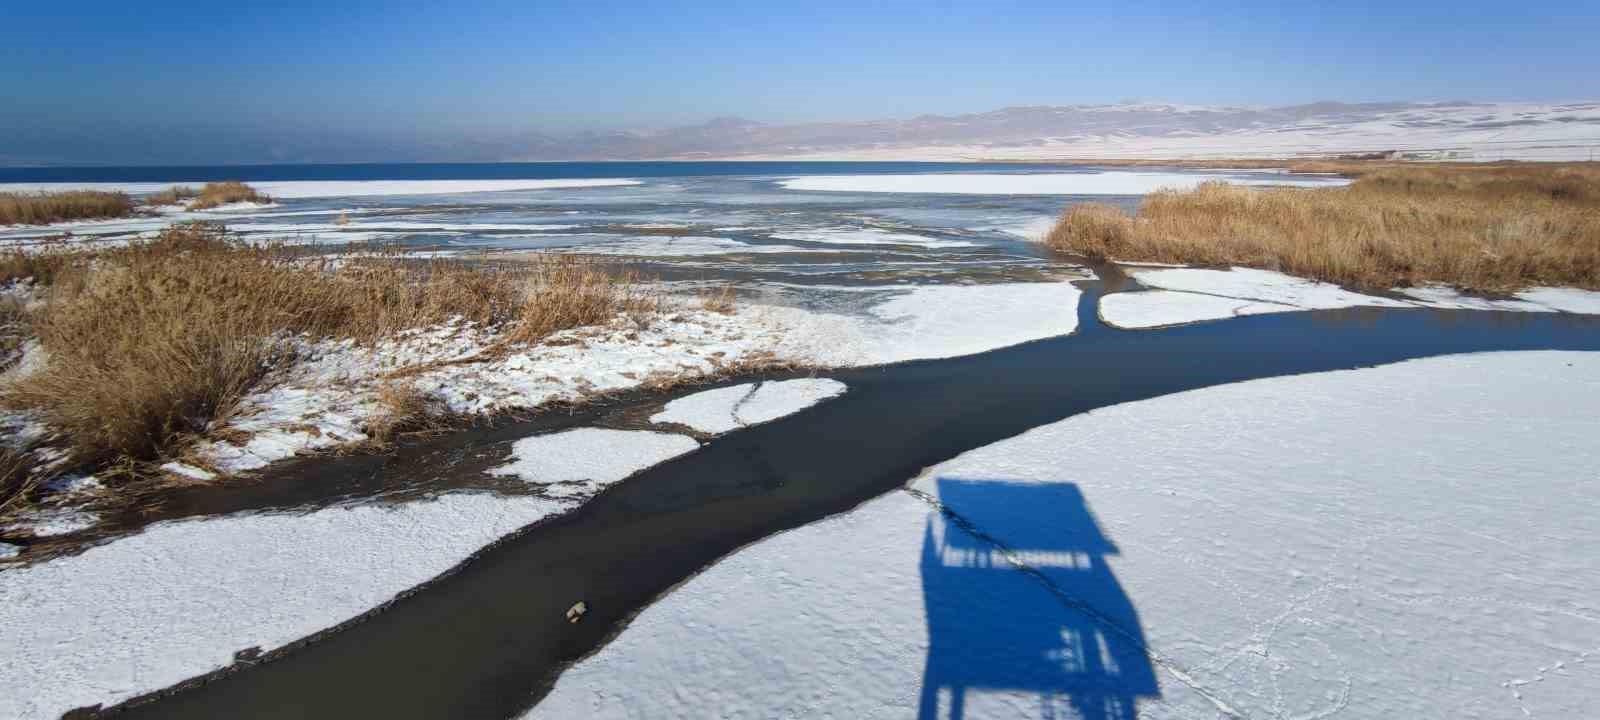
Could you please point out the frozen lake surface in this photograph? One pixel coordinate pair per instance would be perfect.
(799, 222)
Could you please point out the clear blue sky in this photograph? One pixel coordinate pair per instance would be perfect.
(441, 68)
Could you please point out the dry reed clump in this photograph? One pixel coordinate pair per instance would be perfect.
(172, 195)
(215, 194)
(721, 300)
(403, 409)
(16, 478)
(39, 266)
(48, 207)
(150, 344)
(1495, 229)
(566, 293)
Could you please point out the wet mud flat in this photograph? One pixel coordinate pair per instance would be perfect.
(489, 639)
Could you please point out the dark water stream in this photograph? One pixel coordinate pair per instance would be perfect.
(488, 641)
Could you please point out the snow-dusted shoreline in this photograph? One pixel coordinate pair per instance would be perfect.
(1186, 295)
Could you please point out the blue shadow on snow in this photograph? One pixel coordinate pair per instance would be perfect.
(1063, 631)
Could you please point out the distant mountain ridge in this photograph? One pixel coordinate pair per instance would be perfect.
(1462, 129)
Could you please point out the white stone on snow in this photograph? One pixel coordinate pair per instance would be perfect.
(1400, 541)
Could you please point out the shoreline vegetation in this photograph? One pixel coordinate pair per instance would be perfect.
(124, 359)
(44, 208)
(1487, 228)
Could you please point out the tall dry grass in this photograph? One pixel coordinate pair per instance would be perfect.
(48, 207)
(171, 196)
(215, 194)
(150, 344)
(1487, 228)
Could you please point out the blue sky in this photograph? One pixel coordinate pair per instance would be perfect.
(452, 68)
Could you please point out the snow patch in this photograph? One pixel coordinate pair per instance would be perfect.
(730, 408)
(189, 471)
(1158, 308)
(1262, 286)
(1570, 300)
(581, 462)
(932, 321)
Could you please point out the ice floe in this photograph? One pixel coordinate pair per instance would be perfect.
(579, 463)
(933, 321)
(1261, 285)
(685, 246)
(868, 236)
(1377, 542)
(1111, 182)
(1157, 308)
(730, 408)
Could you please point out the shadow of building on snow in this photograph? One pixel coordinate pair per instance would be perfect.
(1060, 636)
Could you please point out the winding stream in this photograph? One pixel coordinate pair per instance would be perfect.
(489, 640)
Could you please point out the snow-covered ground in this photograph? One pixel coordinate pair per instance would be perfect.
(180, 598)
(1185, 295)
(1108, 182)
(327, 397)
(1399, 541)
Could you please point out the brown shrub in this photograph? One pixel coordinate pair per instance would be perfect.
(40, 266)
(1490, 228)
(48, 207)
(228, 191)
(566, 293)
(171, 196)
(721, 300)
(404, 408)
